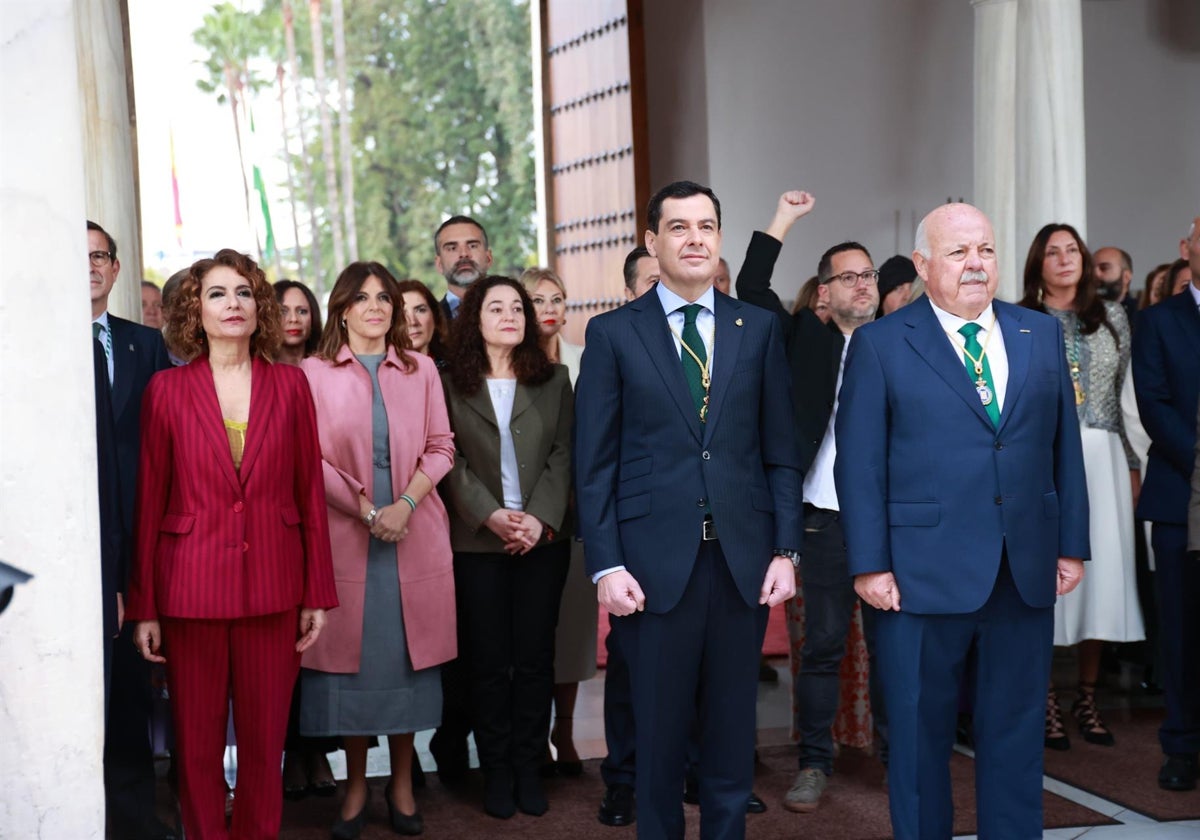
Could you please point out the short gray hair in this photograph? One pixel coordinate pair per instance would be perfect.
(921, 241)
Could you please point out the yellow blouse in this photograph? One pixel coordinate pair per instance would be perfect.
(236, 432)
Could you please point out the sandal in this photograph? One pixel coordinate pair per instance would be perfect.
(1091, 726)
(1056, 734)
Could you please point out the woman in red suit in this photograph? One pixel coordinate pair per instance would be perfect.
(232, 571)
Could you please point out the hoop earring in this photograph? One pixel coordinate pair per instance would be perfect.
(1041, 291)
(344, 322)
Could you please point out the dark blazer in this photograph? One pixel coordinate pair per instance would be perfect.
(814, 349)
(216, 542)
(1194, 505)
(1166, 379)
(113, 536)
(930, 490)
(541, 422)
(647, 471)
(138, 353)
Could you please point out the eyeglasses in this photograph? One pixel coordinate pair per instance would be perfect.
(99, 258)
(849, 279)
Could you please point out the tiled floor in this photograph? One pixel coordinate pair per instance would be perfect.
(774, 711)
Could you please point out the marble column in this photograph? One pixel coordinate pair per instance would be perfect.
(1050, 162)
(51, 681)
(1030, 166)
(995, 131)
(109, 143)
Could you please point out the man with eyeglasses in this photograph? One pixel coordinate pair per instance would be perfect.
(133, 353)
(848, 286)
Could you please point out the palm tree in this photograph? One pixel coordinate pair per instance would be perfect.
(331, 186)
(310, 191)
(339, 60)
(229, 35)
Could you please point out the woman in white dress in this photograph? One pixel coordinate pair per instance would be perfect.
(575, 642)
(1104, 608)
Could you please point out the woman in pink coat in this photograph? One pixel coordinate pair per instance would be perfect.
(385, 443)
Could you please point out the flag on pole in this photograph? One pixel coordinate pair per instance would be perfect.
(260, 187)
(175, 190)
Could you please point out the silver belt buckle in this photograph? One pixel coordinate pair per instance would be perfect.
(709, 531)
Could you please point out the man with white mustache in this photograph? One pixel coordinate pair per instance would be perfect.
(964, 504)
(462, 257)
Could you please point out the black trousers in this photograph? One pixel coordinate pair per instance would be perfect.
(509, 611)
(128, 758)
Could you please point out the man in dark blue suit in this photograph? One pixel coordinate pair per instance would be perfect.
(960, 475)
(133, 353)
(688, 488)
(1166, 378)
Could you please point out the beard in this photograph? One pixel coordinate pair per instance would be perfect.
(464, 273)
(1109, 290)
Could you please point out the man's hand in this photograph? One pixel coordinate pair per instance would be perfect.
(780, 582)
(311, 624)
(147, 638)
(1070, 572)
(878, 589)
(620, 594)
(792, 205)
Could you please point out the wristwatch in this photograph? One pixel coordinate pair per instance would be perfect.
(789, 553)
(369, 519)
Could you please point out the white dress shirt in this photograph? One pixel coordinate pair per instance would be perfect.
(819, 489)
(503, 393)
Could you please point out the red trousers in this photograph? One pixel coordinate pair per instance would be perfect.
(254, 662)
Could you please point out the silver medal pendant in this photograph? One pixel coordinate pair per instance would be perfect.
(985, 393)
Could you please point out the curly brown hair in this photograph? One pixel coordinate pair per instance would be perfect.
(468, 354)
(184, 330)
(438, 344)
(348, 284)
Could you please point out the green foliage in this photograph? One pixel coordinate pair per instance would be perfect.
(442, 120)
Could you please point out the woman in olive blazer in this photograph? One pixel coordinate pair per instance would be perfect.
(511, 412)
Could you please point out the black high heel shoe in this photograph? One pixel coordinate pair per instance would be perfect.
(351, 828)
(410, 825)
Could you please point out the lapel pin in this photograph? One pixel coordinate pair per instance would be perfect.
(131, 350)
(1024, 331)
(738, 322)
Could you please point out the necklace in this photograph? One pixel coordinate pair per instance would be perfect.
(705, 369)
(981, 387)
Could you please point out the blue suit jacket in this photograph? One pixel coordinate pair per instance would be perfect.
(932, 491)
(138, 353)
(646, 469)
(1166, 379)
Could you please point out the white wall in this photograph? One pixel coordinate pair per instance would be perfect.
(868, 104)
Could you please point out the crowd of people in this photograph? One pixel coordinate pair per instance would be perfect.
(394, 513)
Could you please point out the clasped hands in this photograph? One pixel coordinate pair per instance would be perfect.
(620, 594)
(519, 530)
(391, 521)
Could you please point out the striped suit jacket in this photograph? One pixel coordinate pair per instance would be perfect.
(219, 543)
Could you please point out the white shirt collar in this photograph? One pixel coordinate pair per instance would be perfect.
(952, 323)
(102, 319)
(1195, 292)
(671, 301)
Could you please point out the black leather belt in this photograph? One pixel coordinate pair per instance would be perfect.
(810, 508)
(708, 530)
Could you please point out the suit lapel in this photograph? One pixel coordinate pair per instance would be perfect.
(208, 415)
(932, 345)
(1189, 319)
(1017, 347)
(262, 397)
(124, 363)
(727, 343)
(651, 326)
(481, 403)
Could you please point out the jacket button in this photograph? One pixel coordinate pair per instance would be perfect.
(516, 431)
(998, 500)
(245, 547)
(699, 503)
(999, 445)
(238, 507)
(705, 455)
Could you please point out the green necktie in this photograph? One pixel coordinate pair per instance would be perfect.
(692, 369)
(981, 378)
(96, 329)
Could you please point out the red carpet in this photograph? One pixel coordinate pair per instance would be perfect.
(775, 644)
(1126, 773)
(855, 807)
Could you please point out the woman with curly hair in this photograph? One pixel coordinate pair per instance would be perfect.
(1059, 280)
(512, 412)
(231, 574)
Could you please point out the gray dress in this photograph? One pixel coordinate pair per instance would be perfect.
(386, 696)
